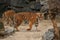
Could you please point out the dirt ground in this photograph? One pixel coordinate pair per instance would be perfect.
(34, 34)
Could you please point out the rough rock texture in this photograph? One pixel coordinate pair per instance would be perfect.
(54, 4)
(45, 6)
(7, 31)
(48, 35)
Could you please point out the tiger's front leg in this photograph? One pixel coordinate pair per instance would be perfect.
(17, 24)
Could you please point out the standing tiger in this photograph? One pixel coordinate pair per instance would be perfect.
(17, 18)
(31, 17)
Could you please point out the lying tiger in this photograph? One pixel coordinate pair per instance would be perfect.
(18, 18)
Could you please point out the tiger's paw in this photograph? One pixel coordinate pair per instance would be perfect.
(28, 29)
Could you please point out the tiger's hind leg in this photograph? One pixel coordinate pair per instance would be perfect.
(30, 26)
(31, 22)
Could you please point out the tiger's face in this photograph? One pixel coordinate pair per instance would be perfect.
(7, 16)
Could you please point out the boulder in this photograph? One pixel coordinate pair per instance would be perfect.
(48, 35)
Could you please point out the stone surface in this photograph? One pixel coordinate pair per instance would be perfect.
(34, 34)
(48, 35)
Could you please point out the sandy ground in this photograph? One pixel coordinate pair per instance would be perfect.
(34, 34)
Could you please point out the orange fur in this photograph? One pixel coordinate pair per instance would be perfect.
(29, 16)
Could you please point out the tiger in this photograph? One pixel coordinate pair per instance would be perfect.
(31, 17)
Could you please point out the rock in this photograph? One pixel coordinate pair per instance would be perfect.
(45, 6)
(48, 35)
(9, 30)
(1, 28)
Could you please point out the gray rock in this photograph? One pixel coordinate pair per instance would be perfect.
(45, 7)
(9, 30)
(48, 35)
